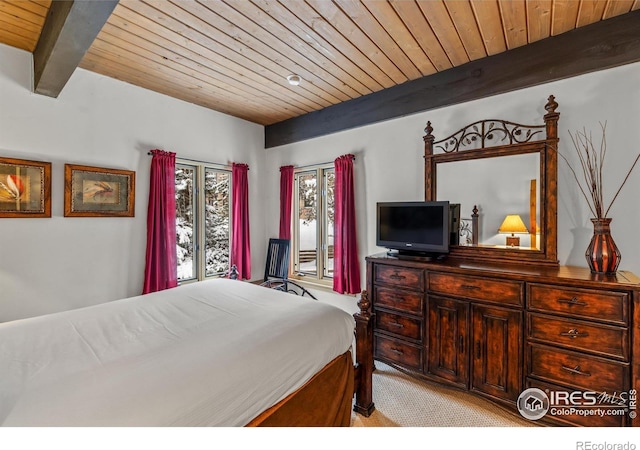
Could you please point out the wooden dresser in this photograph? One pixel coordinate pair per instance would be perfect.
(497, 330)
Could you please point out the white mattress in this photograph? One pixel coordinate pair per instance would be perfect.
(214, 353)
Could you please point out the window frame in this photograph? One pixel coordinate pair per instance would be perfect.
(199, 259)
(321, 276)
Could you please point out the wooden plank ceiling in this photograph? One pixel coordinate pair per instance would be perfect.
(234, 56)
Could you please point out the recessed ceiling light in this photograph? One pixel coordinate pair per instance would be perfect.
(294, 80)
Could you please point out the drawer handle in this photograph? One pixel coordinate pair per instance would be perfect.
(572, 301)
(574, 333)
(576, 371)
(396, 351)
(396, 324)
(395, 276)
(470, 287)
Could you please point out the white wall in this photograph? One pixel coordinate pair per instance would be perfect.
(54, 264)
(389, 156)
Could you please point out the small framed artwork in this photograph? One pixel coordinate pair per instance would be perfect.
(98, 192)
(25, 188)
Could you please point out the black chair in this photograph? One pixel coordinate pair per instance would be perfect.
(276, 270)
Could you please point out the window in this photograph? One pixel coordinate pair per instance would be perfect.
(312, 240)
(202, 221)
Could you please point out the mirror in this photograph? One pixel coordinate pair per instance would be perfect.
(513, 188)
(505, 169)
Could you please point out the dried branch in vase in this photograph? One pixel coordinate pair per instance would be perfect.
(592, 165)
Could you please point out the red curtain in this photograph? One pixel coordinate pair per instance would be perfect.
(346, 270)
(161, 260)
(240, 243)
(286, 192)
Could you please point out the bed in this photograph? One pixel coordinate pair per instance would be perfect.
(214, 353)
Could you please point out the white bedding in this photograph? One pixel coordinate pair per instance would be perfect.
(214, 353)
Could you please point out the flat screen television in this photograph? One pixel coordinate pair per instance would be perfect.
(413, 229)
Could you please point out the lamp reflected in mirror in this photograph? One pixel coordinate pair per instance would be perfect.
(513, 224)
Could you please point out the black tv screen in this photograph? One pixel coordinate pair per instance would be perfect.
(413, 227)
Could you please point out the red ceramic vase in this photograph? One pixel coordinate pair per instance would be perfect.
(602, 254)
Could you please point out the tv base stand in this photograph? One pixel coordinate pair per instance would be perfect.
(415, 256)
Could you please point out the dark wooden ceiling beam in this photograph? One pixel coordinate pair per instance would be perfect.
(602, 45)
(67, 34)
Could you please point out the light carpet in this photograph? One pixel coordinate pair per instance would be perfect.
(403, 400)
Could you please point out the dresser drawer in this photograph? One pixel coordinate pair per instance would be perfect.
(399, 276)
(577, 370)
(401, 300)
(498, 291)
(398, 352)
(598, 305)
(561, 415)
(401, 325)
(604, 340)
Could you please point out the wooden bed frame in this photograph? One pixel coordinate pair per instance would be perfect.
(324, 401)
(327, 398)
(364, 357)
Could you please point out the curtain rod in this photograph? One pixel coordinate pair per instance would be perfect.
(197, 160)
(321, 164)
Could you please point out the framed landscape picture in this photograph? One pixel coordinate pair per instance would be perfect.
(25, 188)
(98, 192)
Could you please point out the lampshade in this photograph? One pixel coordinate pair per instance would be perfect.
(513, 224)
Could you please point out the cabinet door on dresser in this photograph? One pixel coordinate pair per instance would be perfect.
(447, 345)
(497, 351)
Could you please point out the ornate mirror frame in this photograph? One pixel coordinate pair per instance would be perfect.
(489, 135)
